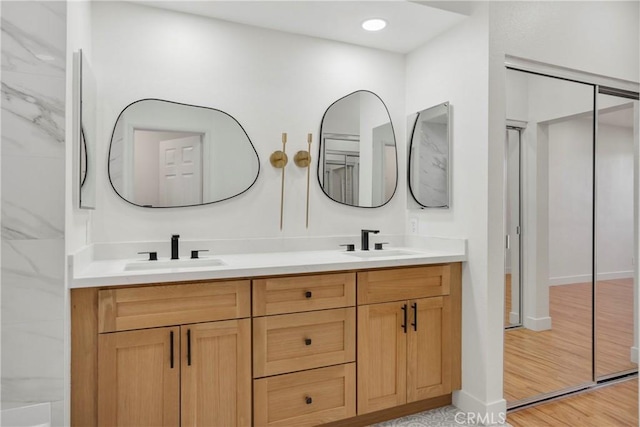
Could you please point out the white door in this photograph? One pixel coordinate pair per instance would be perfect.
(180, 171)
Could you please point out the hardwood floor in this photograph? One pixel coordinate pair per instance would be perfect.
(614, 326)
(507, 299)
(611, 406)
(546, 361)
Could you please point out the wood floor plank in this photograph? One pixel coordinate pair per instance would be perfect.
(611, 406)
(546, 361)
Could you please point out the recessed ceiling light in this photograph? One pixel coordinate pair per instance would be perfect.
(375, 24)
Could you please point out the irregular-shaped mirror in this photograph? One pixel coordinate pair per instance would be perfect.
(167, 154)
(429, 158)
(357, 162)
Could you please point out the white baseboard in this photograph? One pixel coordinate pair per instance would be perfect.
(582, 278)
(514, 318)
(537, 323)
(491, 413)
(634, 354)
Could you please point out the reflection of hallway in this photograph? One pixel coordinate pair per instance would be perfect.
(542, 362)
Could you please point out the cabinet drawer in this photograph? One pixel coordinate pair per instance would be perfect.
(152, 306)
(403, 283)
(303, 293)
(305, 398)
(293, 342)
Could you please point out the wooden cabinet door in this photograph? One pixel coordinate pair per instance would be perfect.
(216, 373)
(429, 348)
(138, 383)
(381, 356)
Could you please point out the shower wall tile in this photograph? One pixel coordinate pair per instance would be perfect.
(33, 115)
(33, 362)
(33, 191)
(32, 198)
(34, 37)
(32, 273)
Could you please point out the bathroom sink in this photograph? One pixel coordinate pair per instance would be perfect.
(176, 263)
(381, 253)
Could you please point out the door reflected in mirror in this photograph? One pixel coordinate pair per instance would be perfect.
(357, 164)
(166, 154)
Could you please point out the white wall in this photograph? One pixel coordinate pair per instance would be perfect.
(271, 82)
(599, 37)
(454, 67)
(570, 201)
(570, 196)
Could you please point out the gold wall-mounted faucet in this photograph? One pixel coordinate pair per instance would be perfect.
(279, 160)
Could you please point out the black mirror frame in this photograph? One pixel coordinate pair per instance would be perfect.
(410, 154)
(321, 147)
(186, 105)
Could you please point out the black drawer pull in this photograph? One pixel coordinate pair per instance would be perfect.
(307, 341)
(309, 400)
(308, 294)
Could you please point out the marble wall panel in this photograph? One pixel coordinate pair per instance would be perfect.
(32, 203)
(31, 275)
(34, 37)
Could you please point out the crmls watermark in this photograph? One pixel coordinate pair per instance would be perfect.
(475, 418)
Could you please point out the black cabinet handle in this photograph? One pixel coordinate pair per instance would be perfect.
(404, 314)
(171, 345)
(309, 400)
(415, 316)
(307, 341)
(188, 347)
(308, 294)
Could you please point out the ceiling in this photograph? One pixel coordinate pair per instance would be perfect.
(410, 23)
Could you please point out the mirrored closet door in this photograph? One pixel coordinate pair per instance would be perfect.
(577, 186)
(552, 351)
(616, 290)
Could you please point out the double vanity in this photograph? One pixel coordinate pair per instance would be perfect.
(268, 339)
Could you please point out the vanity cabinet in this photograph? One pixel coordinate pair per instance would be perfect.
(405, 346)
(343, 349)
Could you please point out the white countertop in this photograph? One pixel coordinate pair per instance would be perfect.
(111, 272)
